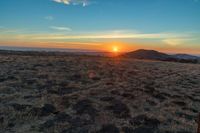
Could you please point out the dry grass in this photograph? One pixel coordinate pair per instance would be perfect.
(80, 94)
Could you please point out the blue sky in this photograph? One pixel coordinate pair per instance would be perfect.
(153, 24)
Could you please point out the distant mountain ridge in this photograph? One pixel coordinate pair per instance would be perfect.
(155, 55)
(185, 56)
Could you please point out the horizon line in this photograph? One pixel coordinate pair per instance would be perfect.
(74, 50)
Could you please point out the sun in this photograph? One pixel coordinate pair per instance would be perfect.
(115, 49)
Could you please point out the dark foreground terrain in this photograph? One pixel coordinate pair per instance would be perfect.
(82, 94)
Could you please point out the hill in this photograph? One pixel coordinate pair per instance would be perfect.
(155, 55)
(147, 54)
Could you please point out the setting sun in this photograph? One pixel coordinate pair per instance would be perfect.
(115, 49)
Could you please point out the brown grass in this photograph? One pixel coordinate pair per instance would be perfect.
(75, 94)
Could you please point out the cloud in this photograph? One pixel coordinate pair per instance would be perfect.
(176, 41)
(159, 36)
(74, 2)
(49, 18)
(61, 28)
(173, 42)
(171, 39)
(67, 2)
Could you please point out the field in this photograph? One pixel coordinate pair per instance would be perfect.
(86, 94)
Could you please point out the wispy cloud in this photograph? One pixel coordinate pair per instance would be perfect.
(49, 18)
(61, 28)
(161, 36)
(176, 41)
(74, 2)
(168, 38)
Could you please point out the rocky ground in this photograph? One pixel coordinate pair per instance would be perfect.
(82, 94)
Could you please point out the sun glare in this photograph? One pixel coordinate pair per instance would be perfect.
(115, 49)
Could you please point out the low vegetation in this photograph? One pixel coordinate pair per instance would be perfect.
(85, 94)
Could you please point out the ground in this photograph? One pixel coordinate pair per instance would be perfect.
(85, 94)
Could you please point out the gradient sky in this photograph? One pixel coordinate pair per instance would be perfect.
(165, 25)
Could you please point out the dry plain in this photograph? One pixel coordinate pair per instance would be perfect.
(86, 94)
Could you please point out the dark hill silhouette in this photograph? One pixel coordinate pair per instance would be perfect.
(147, 54)
(155, 55)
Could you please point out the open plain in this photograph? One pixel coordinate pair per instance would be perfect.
(87, 94)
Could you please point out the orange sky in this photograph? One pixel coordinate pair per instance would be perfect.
(103, 46)
(124, 40)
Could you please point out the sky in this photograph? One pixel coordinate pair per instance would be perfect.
(171, 26)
